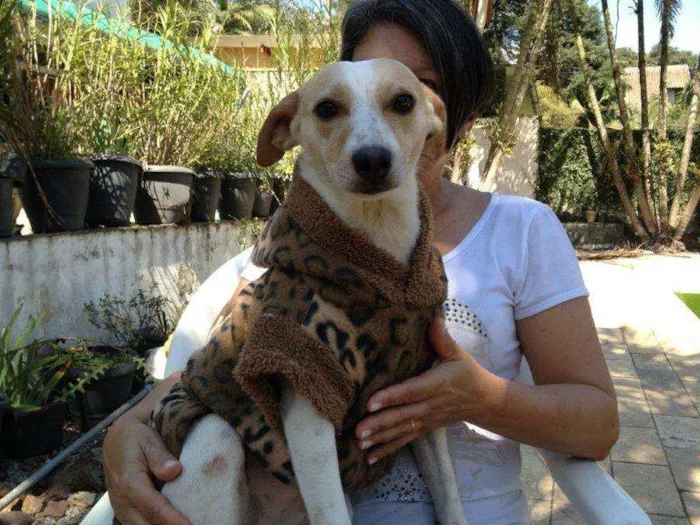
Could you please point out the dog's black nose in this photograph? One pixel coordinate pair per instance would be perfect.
(372, 163)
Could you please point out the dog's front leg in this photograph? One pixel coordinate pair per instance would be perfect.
(311, 441)
(433, 458)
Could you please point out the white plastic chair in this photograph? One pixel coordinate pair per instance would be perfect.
(592, 492)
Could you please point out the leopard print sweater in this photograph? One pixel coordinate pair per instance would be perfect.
(335, 315)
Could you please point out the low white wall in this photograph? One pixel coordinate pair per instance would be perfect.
(59, 273)
(518, 173)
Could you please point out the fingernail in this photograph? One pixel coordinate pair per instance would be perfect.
(375, 407)
(169, 464)
(365, 444)
(372, 461)
(365, 434)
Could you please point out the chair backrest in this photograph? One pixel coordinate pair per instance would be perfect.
(192, 330)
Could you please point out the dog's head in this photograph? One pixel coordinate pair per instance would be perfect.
(362, 127)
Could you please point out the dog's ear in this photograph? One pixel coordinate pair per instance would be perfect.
(435, 142)
(276, 136)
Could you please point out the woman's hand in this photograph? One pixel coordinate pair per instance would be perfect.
(439, 397)
(133, 451)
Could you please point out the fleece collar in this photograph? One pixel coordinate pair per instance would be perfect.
(421, 283)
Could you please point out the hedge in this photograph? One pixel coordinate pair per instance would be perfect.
(572, 177)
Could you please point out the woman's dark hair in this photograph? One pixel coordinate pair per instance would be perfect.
(460, 56)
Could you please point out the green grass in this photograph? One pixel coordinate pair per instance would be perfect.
(692, 301)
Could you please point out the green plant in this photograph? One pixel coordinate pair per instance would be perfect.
(126, 318)
(34, 108)
(28, 377)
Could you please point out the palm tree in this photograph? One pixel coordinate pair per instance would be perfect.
(246, 17)
(668, 12)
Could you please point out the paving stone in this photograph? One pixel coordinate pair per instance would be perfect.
(536, 479)
(651, 486)
(651, 361)
(562, 511)
(606, 465)
(666, 394)
(641, 340)
(621, 368)
(667, 520)
(693, 388)
(679, 432)
(685, 465)
(687, 368)
(611, 335)
(630, 418)
(639, 445)
(540, 511)
(692, 505)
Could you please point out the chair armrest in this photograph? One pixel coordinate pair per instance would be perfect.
(100, 514)
(592, 492)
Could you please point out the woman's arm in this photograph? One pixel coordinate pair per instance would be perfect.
(571, 410)
(131, 452)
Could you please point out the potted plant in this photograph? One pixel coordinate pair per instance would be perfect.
(12, 171)
(263, 196)
(106, 374)
(35, 119)
(34, 416)
(591, 216)
(206, 194)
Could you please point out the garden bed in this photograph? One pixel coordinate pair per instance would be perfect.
(64, 496)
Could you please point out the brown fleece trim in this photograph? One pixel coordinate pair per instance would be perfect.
(423, 283)
(278, 346)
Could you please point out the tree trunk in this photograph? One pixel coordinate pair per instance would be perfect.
(632, 158)
(663, 121)
(687, 148)
(646, 133)
(688, 213)
(665, 37)
(527, 61)
(610, 152)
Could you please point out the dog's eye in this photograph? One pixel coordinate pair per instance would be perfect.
(403, 104)
(326, 110)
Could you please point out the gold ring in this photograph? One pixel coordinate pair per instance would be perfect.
(413, 426)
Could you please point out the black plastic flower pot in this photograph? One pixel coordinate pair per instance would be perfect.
(102, 396)
(163, 196)
(113, 187)
(237, 196)
(279, 191)
(12, 174)
(28, 433)
(206, 194)
(262, 205)
(65, 185)
(7, 222)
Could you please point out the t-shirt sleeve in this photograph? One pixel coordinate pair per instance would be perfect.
(251, 272)
(551, 273)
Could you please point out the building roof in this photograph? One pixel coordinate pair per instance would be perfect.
(678, 78)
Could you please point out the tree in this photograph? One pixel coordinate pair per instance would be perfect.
(645, 222)
(502, 133)
(646, 133)
(675, 56)
(246, 17)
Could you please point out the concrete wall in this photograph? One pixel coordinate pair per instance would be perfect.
(59, 273)
(518, 173)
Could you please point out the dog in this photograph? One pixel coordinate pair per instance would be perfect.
(294, 358)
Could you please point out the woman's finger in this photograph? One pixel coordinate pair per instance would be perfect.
(411, 427)
(389, 448)
(414, 390)
(161, 462)
(392, 418)
(151, 504)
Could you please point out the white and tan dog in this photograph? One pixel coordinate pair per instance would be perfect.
(362, 127)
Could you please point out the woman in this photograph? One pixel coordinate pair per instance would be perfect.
(515, 290)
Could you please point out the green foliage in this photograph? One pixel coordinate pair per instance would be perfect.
(126, 318)
(245, 17)
(27, 377)
(675, 56)
(572, 177)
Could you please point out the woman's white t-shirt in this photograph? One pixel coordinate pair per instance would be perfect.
(516, 262)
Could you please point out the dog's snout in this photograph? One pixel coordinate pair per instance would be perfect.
(372, 163)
